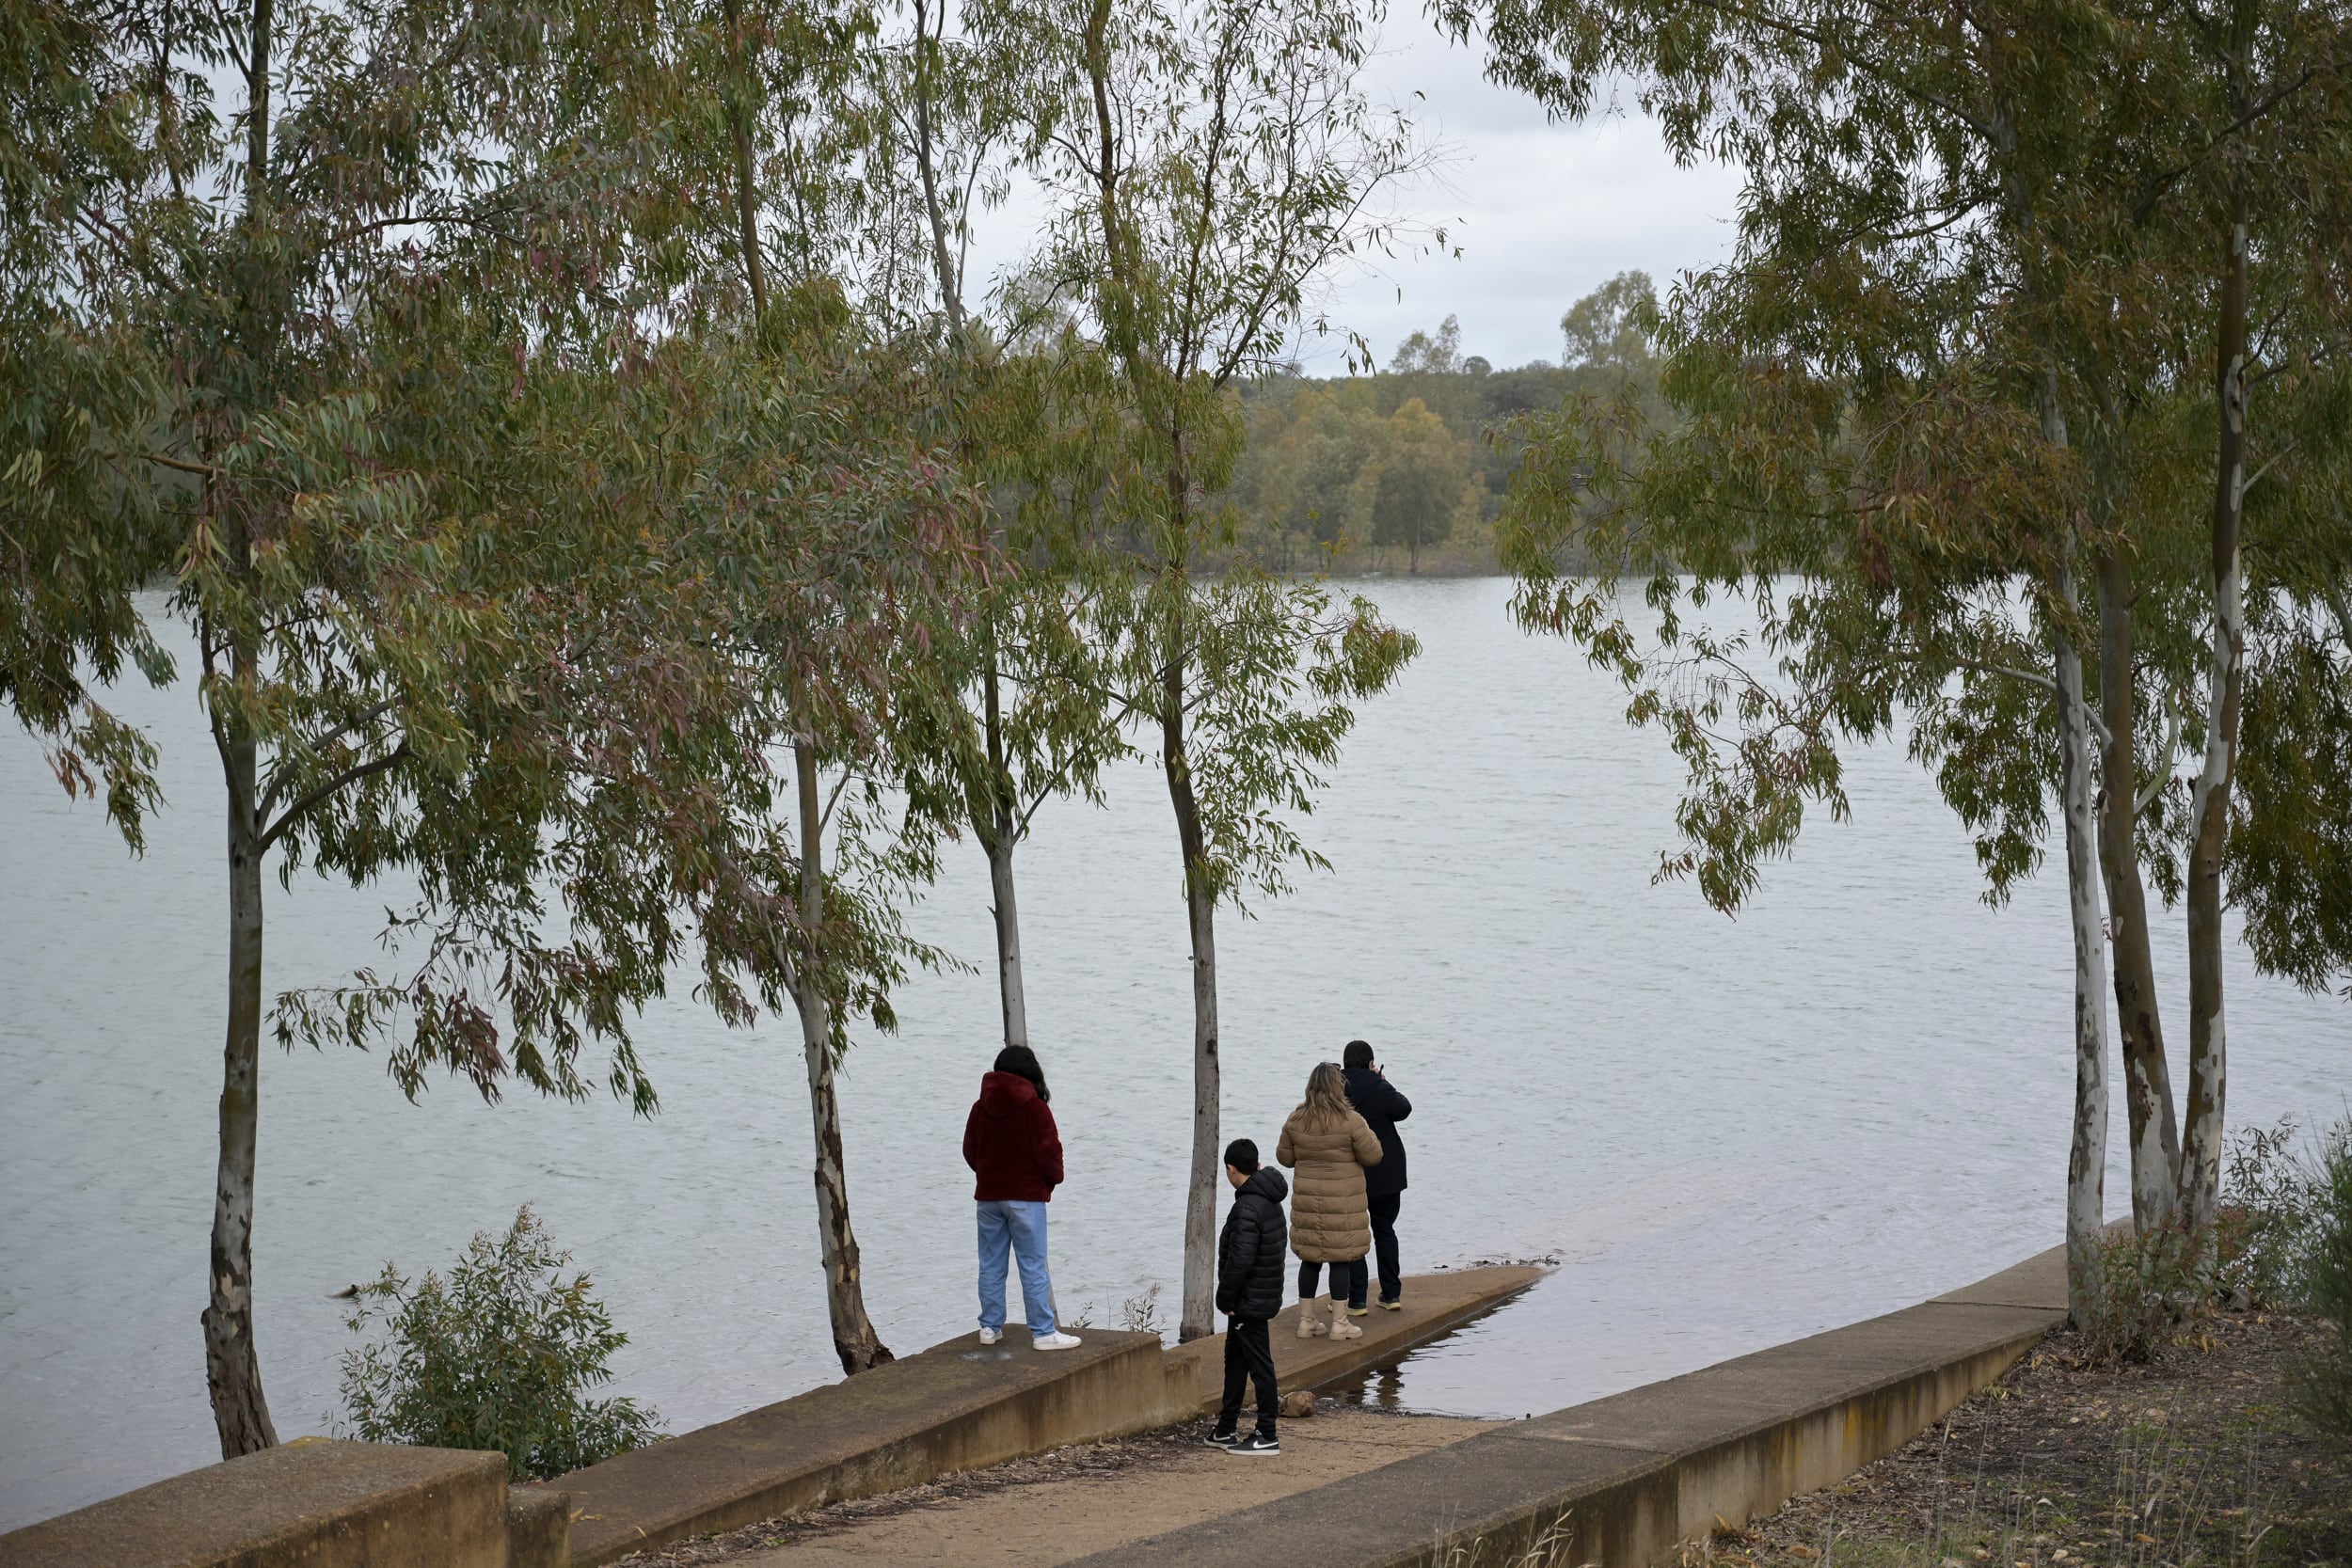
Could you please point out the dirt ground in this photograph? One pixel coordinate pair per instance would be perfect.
(1066, 1504)
(2194, 1460)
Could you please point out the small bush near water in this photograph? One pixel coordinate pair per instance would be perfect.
(2162, 1286)
(498, 1356)
(2281, 1241)
(2323, 1376)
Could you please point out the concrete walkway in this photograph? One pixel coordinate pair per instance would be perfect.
(962, 1406)
(1620, 1481)
(1043, 1523)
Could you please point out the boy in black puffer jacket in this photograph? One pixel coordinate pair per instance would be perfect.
(1252, 1257)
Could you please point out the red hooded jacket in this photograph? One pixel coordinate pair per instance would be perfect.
(1011, 1144)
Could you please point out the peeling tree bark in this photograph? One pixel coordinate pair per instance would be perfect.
(2155, 1139)
(2087, 1152)
(2086, 1148)
(1200, 1301)
(232, 1370)
(2209, 807)
(854, 1338)
(999, 834)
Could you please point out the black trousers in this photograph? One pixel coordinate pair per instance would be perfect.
(1347, 1281)
(1384, 1207)
(1249, 1357)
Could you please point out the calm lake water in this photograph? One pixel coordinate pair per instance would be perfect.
(1730, 1133)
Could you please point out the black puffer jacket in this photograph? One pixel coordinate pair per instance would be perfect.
(1252, 1253)
(1382, 1108)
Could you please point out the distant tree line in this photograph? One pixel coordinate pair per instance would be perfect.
(1339, 472)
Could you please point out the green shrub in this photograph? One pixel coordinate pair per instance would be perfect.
(498, 1356)
(2261, 1230)
(2159, 1287)
(2324, 1375)
(2150, 1285)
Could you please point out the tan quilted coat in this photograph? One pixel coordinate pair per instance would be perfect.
(1329, 1221)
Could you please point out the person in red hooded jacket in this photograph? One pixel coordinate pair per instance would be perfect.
(1014, 1150)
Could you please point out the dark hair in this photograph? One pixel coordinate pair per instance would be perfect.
(1359, 1054)
(1243, 1156)
(1021, 1061)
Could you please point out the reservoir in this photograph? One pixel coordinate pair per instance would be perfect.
(1726, 1134)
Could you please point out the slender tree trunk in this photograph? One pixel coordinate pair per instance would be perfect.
(1009, 987)
(738, 107)
(999, 837)
(2155, 1139)
(231, 1369)
(2087, 1152)
(1147, 376)
(2086, 1148)
(2209, 807)
(951, 290)
(996, 825)
(1199, 1303)
(854, 1338)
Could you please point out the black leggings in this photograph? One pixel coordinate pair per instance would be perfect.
(1349, 1279)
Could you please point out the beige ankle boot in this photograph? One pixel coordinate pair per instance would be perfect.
(1309, 1326)
(1343, 1326)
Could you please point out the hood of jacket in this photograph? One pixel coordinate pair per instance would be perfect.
(1267, 1183)
(1006, 1094)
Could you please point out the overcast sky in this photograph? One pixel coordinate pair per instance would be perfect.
(1542, 214)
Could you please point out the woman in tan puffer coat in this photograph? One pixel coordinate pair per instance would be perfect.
(1329, 1145)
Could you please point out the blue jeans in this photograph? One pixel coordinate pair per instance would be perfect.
(1020, 1225)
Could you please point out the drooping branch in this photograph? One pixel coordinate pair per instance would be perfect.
(328, 788)
(2163, 776)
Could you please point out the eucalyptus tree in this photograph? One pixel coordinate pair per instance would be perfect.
(962, 103)
(1944, 231)
(813, 547)
(2252, 192)
(1215, 163)
(764, 225)
(342, 310)
(1876, 397)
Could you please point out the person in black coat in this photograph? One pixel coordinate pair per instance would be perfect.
(1382, 1107)
(1252, 1257)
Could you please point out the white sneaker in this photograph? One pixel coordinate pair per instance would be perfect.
(1056, 1340)
(989, 1335)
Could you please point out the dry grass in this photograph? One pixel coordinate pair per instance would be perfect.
(2194, 1459)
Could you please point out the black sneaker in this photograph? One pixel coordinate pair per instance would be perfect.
(1223, 1438)
(1257, 1442)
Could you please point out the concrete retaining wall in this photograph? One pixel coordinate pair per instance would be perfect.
(957, 1406)
(310, 1504)
(1619, 1482)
